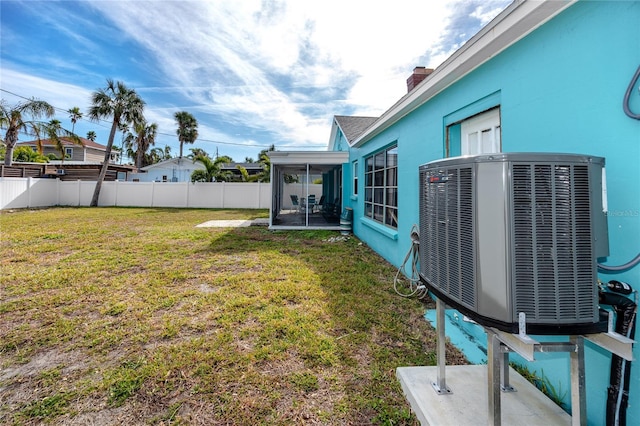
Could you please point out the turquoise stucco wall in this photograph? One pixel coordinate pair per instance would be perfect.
(560, 89)
(340, 141)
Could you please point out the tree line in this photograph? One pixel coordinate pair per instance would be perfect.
(125, 108)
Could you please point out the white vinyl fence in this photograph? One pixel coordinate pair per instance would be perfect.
(16, 193)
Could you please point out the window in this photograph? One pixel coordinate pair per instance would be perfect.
(381, 187)
(68, 153)
(355, 177)
(480, 134)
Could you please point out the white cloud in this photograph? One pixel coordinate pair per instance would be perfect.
(242, 48)
(278, 66)
(29, 86)
(485, 12)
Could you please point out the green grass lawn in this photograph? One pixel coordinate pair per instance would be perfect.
(135, 316)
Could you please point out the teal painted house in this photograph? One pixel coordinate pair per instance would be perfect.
(541, 77)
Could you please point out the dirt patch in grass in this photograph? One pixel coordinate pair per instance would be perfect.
(135, 316)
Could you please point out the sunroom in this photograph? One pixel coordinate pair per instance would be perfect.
(306, 189)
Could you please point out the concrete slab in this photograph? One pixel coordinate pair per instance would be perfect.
(467, 405)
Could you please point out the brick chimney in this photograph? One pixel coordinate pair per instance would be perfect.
(419, 74)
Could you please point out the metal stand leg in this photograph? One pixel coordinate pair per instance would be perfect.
(440, 385)
(493, 378)
(578, 397)
(525, 346)
(504, 373)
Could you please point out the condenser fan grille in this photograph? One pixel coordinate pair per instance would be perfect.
(553, 265)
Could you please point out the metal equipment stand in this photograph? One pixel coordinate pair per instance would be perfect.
(500, 344)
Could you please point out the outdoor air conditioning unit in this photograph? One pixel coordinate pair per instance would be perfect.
(508, 233)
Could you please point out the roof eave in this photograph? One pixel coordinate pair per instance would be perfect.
(311, 157)
(515, 22)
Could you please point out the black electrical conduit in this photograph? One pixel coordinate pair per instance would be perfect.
(618, 390)
(627, 96)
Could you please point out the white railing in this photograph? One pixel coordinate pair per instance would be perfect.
(33, 192)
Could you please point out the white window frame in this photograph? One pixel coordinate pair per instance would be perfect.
(381, 187)
(354, 170)
(481, 134)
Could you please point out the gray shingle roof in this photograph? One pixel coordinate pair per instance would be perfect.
(352, 127)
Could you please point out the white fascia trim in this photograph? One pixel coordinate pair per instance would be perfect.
(310, 157)
(514, 23)
(334, 131)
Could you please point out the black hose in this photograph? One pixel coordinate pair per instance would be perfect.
(618, 390)
(633, 262)
(627, 96)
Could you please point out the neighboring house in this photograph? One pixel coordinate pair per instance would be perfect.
(172, 170)
(251, 168)
(67, 171)
(541, 77)
(86, 170)
(80, 163)
(90, 152)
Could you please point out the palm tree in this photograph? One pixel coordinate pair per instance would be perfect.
(144, 139)
(156, 155)
(91, 135)
(124, 128)
(244, 174)
(56, 134)
(25, 154)
(15, 119)
(212, 172)
(74, 115)
(128, 147)
(167, 153)
(263, 158)
(123, 105)
(196, 152)
(187, 128)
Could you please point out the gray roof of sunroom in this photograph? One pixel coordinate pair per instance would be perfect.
(353, 126)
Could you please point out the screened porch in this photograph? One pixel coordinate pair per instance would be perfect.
(306, 189)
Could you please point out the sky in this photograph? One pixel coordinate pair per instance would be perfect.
(254, 73)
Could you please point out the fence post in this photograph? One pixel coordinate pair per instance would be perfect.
(29, 182)
(259, 194)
